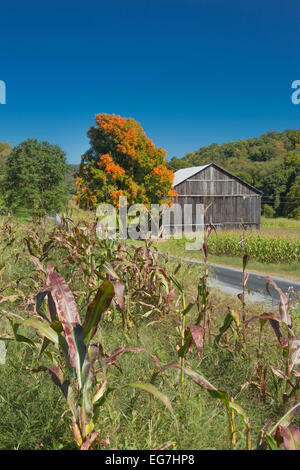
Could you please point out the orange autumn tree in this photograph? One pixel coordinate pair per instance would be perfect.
(122, 161)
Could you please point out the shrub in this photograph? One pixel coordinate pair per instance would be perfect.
(268, 211)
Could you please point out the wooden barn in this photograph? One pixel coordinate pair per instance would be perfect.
(229, 202)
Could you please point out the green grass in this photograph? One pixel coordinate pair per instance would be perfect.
(278, 239)
(177, 248)
(32, 408)
(289, 271)
(280, 222)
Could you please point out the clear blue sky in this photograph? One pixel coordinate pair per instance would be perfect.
(192, 72)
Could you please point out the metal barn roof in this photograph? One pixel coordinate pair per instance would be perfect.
(185, 173)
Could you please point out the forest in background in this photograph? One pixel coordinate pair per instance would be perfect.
(271, 163)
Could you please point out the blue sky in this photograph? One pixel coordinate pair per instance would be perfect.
(192, 72)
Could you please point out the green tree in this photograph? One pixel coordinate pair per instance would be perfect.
(268, 211)
(292, 209)
(35, 177)
(5, 150)
(69, 178)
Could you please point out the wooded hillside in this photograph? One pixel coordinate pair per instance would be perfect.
(271, 163)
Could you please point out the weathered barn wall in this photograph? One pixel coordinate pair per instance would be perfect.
(229, 201)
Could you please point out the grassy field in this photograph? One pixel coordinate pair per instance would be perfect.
(280, 223)
(177, 248)
(274, 250)
(35, 415)
(31, 419)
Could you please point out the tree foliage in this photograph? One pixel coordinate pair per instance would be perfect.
(292, 208)
(271, 163)
(122, 161)
(268, 211)
(72, 169)
(5, 150)
(34, 177)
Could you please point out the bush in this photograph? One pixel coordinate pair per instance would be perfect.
(269, 211)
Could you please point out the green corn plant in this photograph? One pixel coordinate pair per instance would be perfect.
(288, 342)
(8, 234)
(231, 407)
(83, 255)
(195, 334)
(282, 432)
(78, 244)
(263, 248)
(81, 247)
(185, 340)
(78, 363)
(73, 341)
(232, 322)
(148, 287)
(203, 291)
(244, 285)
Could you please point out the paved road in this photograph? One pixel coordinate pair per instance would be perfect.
(229, 280)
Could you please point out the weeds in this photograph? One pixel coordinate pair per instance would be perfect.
(80, 293)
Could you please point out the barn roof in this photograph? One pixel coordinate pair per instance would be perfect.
(185, 173)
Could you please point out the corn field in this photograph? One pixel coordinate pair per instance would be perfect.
(266, 249)
(62, 288)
